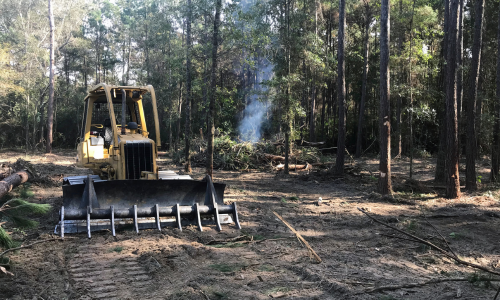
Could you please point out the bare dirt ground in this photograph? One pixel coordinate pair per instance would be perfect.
(357, 254)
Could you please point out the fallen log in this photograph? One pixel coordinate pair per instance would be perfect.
(307, 166)
(310, 144)
(13, 180)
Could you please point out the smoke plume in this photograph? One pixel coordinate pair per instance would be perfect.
(250, 127)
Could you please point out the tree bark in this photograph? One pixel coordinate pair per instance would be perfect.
(287, 98)
(471, 146)
(50, 108)
(460, 73)
(452, 175)
(399, 101)
(213, 90)
(440, 175)
(410, 79)
(339, 162)
(12, 181)
(384, 180)
(495, 151)
(366, 65)
(187, 133)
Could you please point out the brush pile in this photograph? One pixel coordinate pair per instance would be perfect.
(239, 155)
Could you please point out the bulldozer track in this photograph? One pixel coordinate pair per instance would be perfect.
(101, 273)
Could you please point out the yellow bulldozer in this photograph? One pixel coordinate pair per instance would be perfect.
(126, 187)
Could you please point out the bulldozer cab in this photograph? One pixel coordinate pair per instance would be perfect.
(114, 122)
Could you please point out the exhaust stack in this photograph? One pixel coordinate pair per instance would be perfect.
(124, 104)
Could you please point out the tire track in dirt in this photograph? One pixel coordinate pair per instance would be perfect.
(101, 273)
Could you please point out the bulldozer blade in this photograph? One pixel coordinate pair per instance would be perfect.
(92, 199)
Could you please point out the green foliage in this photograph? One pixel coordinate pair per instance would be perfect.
(116, 249)
(16, 213)
(5, 239)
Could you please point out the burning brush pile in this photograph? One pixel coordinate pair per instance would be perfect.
(239, 155)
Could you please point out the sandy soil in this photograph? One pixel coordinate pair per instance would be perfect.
(269, 262)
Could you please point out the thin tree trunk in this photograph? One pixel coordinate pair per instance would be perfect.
(50, 108)
(460, 74)
(411, 91)
(495, 151)
(366, 52)
(85, 72)
(187, 133)
(384, 181)
(128, 57)
(399, 101)
(312, 127)
(124, 63)
(213, 90)
(339, 163)
(452, 175)
(179, 118)
(323, 110)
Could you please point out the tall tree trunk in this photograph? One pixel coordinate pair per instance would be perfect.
(460, 74)
(124, 63)
(179, 119)
(187, 132)
(50, 108)
(411, 91)
(479, 112)
(471, 146)
(213, 90)
(495, 147)
(339, 162)
(85, 72)
(366, 65)
(399, 101)
(384, 180)
(452, 175)
(440, 175)
(129, 56)
(287, 98)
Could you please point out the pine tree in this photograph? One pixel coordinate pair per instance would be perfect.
(15, 211)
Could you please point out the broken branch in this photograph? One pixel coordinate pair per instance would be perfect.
(32, 244)
(299, 237)
(444, 252)
(412, 285)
